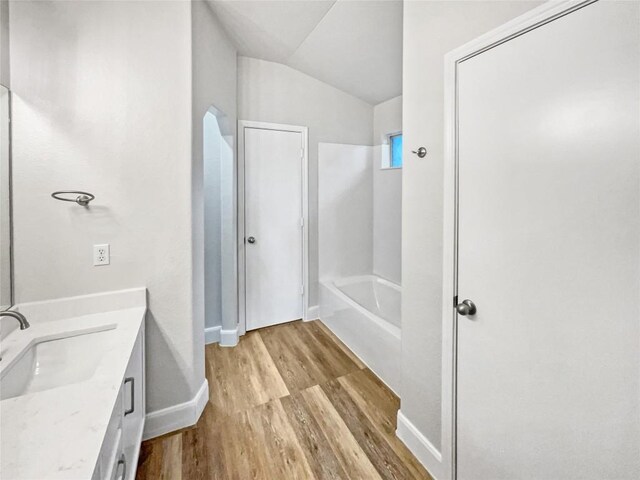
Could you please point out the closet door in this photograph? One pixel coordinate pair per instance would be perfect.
(548, 369)
(273, 226)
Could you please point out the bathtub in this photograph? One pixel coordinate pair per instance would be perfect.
(364, 312)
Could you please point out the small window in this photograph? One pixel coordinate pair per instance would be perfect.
(395, 142)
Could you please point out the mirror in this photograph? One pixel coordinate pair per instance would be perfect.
(6, 262)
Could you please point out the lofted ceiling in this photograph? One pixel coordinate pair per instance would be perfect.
(354, 45)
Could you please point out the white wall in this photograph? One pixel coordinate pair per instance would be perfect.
(98, 106)
(345, 210)
(387, 218)
(5, 223)
(5, 67)
(214, 85)
(387, 118)
(103, 102)
(387, 194)
(430, 30)
(219, 228)
(212, 140)
(5, 203)
(229, 236)
(271, 92)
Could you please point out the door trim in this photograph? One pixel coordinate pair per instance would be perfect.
(537, 17)
(242, 293)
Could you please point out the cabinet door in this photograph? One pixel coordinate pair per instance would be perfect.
(97, 473)
(114, 467)
(134, 406)
(121, 469)
(112, 443)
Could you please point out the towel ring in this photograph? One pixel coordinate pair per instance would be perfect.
(82, 198)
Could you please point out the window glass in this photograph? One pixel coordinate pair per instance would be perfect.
(396, 151)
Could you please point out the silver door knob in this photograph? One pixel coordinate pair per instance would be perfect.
(467, 307)
(251, 240)
(421, 152)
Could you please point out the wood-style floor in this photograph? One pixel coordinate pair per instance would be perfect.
(289, 402)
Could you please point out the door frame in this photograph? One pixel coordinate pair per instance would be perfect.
(444, 468)
(242, 293)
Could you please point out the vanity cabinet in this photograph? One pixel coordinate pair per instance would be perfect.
(121, 446)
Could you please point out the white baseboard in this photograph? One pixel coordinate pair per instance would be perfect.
(212, 334)
(428, 455)
(229, 338)
(313, 313)
(178, 416)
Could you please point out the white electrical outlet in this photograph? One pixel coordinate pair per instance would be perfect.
(101, 254)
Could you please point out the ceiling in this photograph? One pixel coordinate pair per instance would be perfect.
(354, 45)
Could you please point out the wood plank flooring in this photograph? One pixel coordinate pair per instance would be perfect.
(289, 402)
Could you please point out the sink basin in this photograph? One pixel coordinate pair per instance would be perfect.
(52, 363)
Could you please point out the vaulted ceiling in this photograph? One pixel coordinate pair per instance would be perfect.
(354, 45)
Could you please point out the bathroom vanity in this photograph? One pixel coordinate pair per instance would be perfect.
(72, 389)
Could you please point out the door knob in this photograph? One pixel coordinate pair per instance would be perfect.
(421, 152)
(467, 307)
(251, 240)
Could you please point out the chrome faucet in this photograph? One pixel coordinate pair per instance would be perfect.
(22, 320)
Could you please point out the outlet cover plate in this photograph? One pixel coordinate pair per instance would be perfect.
(101, 255)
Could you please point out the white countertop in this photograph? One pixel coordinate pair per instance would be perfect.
(58, 433)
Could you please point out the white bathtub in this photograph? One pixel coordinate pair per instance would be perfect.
(364, 312)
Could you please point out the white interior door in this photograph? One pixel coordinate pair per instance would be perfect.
(548, 370)
(273, 226)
